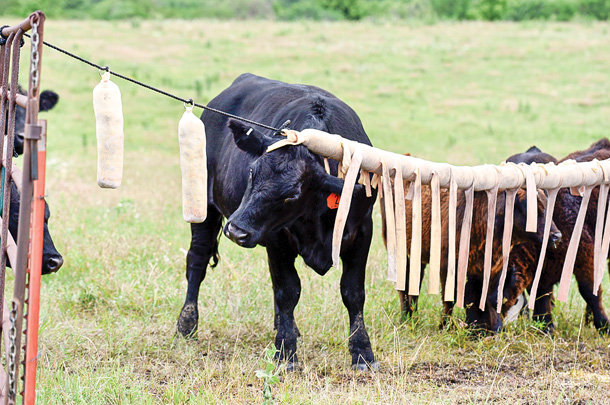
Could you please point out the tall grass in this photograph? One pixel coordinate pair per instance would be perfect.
(464, 93)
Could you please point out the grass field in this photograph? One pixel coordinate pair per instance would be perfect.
(466, 93)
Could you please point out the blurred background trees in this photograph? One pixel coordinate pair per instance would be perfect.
(427, 10)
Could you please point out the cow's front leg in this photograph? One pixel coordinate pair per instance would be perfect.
(352, 291)
(286, 293)
(204, 245)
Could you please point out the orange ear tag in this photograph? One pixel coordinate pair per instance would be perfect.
(333, 201)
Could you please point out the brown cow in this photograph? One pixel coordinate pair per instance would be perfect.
(524, 257)
(487, 319)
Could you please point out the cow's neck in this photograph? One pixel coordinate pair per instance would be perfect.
(311, 236)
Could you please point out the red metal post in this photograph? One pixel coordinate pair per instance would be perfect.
(35, 271)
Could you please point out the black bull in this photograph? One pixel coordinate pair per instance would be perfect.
(51, 258)
(279, 200)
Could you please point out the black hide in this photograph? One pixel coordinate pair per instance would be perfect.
(279, 200)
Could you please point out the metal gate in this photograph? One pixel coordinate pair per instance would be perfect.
(26, 256)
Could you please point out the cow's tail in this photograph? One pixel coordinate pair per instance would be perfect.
(215, 255)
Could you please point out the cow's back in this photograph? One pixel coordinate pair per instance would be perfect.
(269, 102)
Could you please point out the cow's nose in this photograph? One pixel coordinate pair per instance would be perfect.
(556, 239)
(54, 263)
(235, 233)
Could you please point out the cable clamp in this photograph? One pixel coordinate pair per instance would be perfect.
(32, 132)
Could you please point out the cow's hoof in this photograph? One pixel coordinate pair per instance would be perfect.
(187, 322)
(374, 366)
(291, 366)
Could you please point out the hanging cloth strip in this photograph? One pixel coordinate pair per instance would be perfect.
(568, 264)
(435, 236)
(365, 180)
(401, 229)
(326, 166)
(550, 207)
(492, 197)
(452, 231)
(532, 200)
(465, 244)
(604, 249)
(600, 231)
(390, 221)
(509, 213)
(416, 234)
(344, 203)
(375, 181)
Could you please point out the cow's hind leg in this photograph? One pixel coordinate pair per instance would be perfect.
(595, 307)
(204, 246)
(286, 292)
(352, 291)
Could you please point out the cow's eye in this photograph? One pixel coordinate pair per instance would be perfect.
(292, 198)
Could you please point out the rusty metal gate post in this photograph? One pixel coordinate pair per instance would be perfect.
(29, 238)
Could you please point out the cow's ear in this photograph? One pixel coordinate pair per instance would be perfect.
(48, 99)
(247, 138)
(331, 184)
(533, 149)
(327, 183)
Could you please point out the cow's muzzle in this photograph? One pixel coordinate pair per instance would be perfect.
(238, 235)
(52, 264)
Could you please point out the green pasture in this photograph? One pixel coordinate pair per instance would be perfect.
(463, 93)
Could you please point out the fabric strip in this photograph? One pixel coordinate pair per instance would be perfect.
(416, 225)
(509, 213)
(389, 218)
(326, 166)
(344, 204)
(548, 220)
(604, 249)
(401, 230)
(464, 246)
(532, 198)
(452, 231)
(367, 182)
(599, 232)
(492, 197)
(568, 264)
(435, 236)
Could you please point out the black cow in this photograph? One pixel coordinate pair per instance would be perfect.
(48, 99)
(51, 258)
(279, 200)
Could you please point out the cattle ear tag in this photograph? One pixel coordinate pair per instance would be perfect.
(333, 201)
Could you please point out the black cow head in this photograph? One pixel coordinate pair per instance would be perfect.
(282, 185)
(489, 319)
(51, 258)
(48, 99)
(530, 156)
